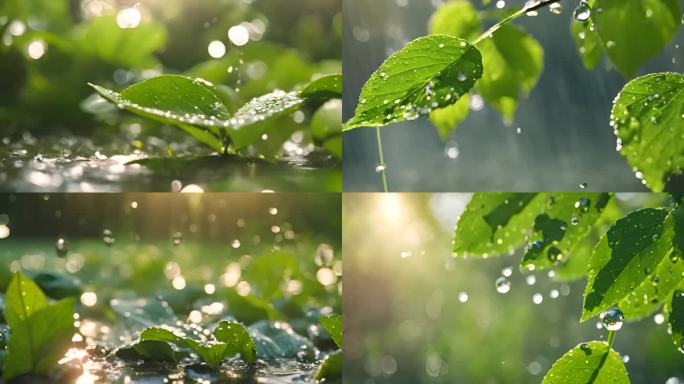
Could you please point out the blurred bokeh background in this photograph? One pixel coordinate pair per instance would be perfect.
(564, 140)
(414, 314)
(52, 123)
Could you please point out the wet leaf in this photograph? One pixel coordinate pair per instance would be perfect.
(23, 299)
(625, 257)
(277, 340)
(237, 340)
(429, 73)
(677, 319)
(39, 341)
(333, 324)
(648, 116)
(331, 367)
(155, 350)
(493, 224)
(513, 62)
(635, 31)
(567, 219)
(211, 353)
(593, 362)
(327, 87)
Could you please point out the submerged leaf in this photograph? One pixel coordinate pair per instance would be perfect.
(648, 118)
(626, 256)
(429, 73)
(593, 362)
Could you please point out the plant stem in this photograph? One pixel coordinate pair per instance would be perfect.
(611, 338)
(530, 8)
(382, 160)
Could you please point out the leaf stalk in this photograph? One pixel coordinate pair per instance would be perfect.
(529, 8)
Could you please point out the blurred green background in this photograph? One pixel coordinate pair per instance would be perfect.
(414, 314)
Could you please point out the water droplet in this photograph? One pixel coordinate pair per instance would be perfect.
(556, 8)
(451, 150)
(380, 168)
(613, 319)
(503, 285)
(61, 247)
(324, 256)
(463, 297)
(537, 298)
(583, 204)
(108, 237)
(177, 238)
(583, 12)
(583, 185)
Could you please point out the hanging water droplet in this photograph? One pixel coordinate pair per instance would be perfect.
(108, 238)
(177, 238)
(556, 8)
(503, 285)
(61, 247)
(380, 168)
(583, 12)
(613, 319)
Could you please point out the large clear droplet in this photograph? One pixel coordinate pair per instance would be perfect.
(503, 285)
(613, 319)
(582, 12)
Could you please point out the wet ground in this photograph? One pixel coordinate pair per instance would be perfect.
(130, 164)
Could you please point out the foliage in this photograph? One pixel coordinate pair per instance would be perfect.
(40, 332)
(331, 368)
(636, 265)
(434, 75)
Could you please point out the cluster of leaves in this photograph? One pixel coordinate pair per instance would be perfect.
(637, 265)
(434, 75)
(39, 332)
(195, 106)
(82, 43)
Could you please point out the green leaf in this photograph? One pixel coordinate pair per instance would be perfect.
(237, 340)
(626, 256)
(456, 18)
(38, 342)
(513, 62)
(677, 319)
(23, 299)
(429, 73)
(155, 350)
(496, 223)
(648, 118)
(575, 267)
(274, 341)
(328, 87)
(448, 118)
(211, 353)
(192, 105)
(331, 367)
(588, 42)
(567, 219)
(333, 324)
(593, 362)
(635, 31)
(129, 47)
(326, 126)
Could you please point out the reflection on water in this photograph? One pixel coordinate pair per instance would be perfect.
(76, 164)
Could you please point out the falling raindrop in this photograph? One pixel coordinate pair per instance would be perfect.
(177, 238)
(612, 319)
(503, 285)
(537, 298)
(108, 237)
(463, 297)
(583, 185)
(61, 247)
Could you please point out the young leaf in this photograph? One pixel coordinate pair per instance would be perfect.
(39, 341)
(331, 367)
(677, 319)
(211, 353)
(513, 62)
(333, 324)
(627, 255)
(634, 31)
(648, 118)
(567, 219)
(431, 72)
(593, 362)
(23, 299)
(237, 340)
(495, 223)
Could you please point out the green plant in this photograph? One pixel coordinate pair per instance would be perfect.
(635, 268)
(331, 367)
(432, 76)
(40, 332)
(195, 106)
